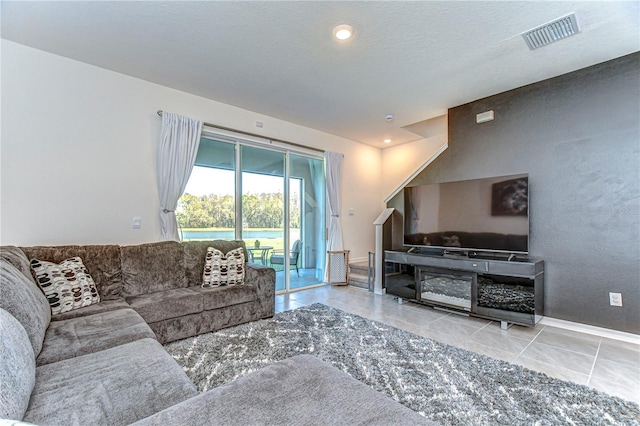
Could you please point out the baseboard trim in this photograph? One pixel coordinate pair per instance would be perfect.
(592, 329)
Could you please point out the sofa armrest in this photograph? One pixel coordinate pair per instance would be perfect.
(264, 279)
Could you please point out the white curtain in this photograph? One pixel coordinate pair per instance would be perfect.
(319, 223)
(179, 141)
(333, 164)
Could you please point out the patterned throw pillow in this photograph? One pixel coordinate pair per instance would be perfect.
(223, 269)
(67, 285)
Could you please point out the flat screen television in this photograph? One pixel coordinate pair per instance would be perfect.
(478, 215)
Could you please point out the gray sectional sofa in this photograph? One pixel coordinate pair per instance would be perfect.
(104, 363)
(162, 283)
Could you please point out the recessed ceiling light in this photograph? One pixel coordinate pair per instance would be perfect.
(343, 32)
(387, 141)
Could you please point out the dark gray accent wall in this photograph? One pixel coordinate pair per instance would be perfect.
(578, 138)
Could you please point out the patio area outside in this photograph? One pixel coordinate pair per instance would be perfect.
(307, 278)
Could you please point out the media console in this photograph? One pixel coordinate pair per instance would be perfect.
(509, 291)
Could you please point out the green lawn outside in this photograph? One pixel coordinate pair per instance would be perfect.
(276, 242)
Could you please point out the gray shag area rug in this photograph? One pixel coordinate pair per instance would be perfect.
(448, 385)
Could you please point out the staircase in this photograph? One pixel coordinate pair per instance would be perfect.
(358, 274)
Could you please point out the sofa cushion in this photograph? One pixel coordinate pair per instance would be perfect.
(149, 268)
(203, 322)
(297, 391)
(67, 285)
(222, 269)
(219, 297)
(23, 299)
(98, 308)
(17, 258)
(17, 367)
(88, 334)
(162, 305)
(195, 252)
(103, 261)
(115, 386)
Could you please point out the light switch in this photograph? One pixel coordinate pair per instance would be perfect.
(137, 223)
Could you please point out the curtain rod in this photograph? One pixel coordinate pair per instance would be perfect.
(229, 129)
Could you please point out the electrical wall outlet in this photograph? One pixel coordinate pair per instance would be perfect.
(615, 299)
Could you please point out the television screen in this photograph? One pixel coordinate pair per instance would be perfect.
(489, 214)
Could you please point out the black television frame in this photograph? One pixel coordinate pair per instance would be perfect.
(517, 211)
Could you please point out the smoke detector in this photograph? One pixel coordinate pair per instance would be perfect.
(551, 32)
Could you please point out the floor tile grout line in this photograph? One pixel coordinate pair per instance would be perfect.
(481, 328)
(595, 359)
(530, 343)
(563, 348)
(560, 349)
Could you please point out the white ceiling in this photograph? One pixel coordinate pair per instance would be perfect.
(411, 59)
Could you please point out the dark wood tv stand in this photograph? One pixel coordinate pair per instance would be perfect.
(492, 288)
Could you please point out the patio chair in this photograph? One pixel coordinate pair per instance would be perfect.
(277, 256)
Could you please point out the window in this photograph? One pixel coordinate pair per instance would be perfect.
(254, 201)
(207, 209)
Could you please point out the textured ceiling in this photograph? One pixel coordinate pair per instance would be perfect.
(411, 59)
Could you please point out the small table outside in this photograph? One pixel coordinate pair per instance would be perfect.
(259, 253)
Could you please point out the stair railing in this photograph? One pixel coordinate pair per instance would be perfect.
(378, 260)
(371, 272)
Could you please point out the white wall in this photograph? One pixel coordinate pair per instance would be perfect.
(78, 153)
(399, 163)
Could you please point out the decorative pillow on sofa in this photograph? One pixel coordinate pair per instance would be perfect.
(66, 285)
(223, 269)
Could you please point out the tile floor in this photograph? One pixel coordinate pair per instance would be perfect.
(303, 278)
(609, 365)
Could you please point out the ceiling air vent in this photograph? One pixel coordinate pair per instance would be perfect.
(551, 32)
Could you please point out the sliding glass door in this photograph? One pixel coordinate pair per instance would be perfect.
(263, 202)
(306, 220)
(272, 199)
(207, 209)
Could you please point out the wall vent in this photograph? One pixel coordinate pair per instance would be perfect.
(551, 32)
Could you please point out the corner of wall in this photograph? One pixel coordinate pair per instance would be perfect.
(405, 162)
(400, 164)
